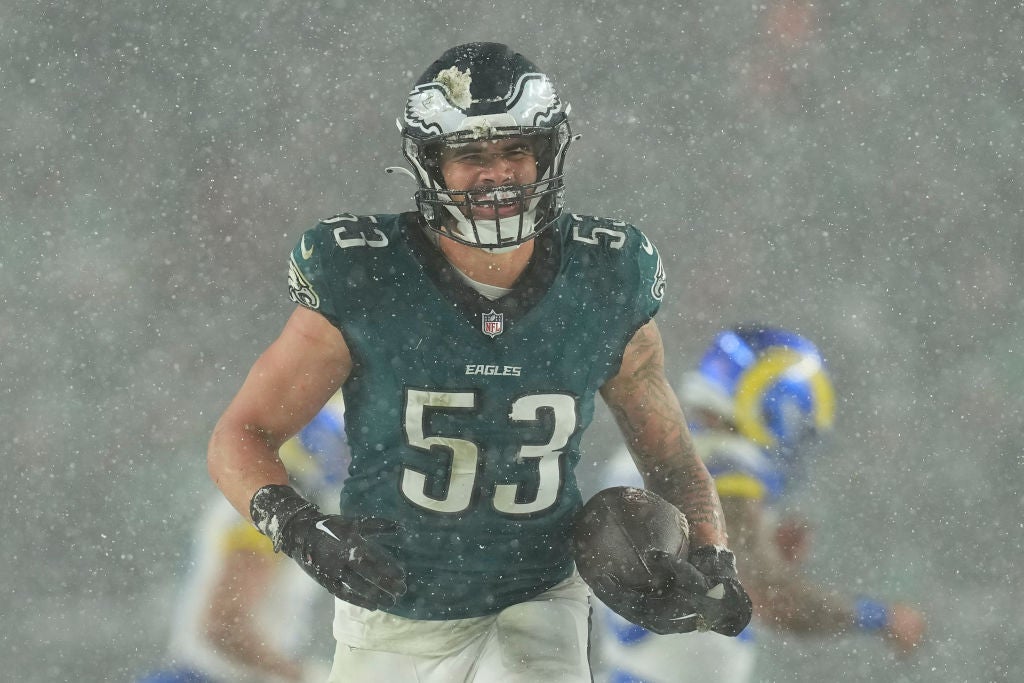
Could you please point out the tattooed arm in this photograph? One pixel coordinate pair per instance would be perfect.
(704, 591)
(652, 423)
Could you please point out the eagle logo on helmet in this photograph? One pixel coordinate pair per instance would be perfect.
(442, 106)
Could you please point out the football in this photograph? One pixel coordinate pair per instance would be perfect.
(618, 526)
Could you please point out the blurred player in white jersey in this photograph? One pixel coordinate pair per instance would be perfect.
(758, 405)
(245, 611)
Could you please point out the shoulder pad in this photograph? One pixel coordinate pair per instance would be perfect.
(628, 250)
(326, 253)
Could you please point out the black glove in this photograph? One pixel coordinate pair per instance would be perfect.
(333, 550)
(699, 594)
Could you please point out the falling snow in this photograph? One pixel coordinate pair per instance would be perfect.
(849, 170)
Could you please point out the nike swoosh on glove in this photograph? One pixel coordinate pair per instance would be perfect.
(340, 554)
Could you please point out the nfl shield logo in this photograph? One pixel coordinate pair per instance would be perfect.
(493, 323)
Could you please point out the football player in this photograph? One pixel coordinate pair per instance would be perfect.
(759, 403)
(244, 610)
(469, 338)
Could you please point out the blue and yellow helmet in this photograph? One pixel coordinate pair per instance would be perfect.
(770, 383)
(317, 458)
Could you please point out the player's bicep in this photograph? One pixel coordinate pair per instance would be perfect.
(639, 395)
(292, 379)
(285, 388)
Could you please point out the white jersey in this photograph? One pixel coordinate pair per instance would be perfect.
(626, 652)
(285, 612)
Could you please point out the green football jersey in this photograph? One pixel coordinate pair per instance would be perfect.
(464, 415)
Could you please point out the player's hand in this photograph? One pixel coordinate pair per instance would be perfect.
(339, 553)
(905, 628)
(701, 593)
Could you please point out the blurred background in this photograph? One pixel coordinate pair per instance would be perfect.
(851, 170)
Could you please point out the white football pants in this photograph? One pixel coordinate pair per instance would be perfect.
(544, 639)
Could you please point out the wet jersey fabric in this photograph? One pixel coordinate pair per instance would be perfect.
(464, 415)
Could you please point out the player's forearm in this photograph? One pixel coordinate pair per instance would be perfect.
(652, 423)
(784, 597)
(794, 604)
(679, 476)
(241, 459)
(799, 607)
(656, 435)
